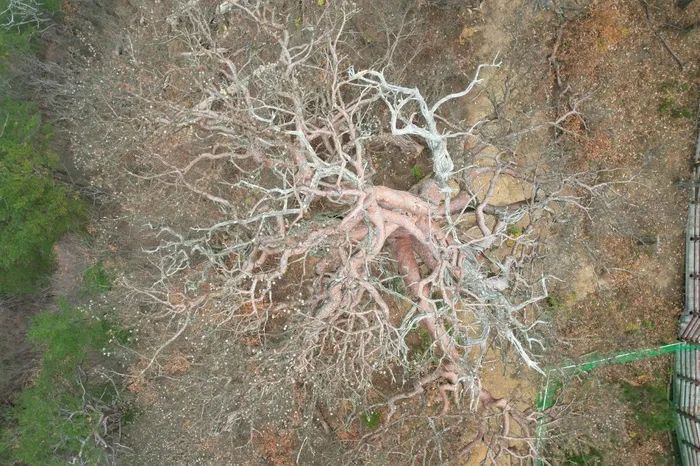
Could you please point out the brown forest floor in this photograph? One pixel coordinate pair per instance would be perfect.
(619, 268)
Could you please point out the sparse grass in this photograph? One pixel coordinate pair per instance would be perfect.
(553, 301)
(397, 285)
(589, 458)
(651, 406)
(670, 107)
(673, 86)
(554, 305)
(514, 231)
(648, 324)
(96, 279)
(52, 6)
(425, 341)
(371, 419)
(417, 173)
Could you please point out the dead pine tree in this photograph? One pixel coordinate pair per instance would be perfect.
(291, 124)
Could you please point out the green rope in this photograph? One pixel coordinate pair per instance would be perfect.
(553, 380)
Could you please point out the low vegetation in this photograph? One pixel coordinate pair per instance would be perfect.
(96, 279)
(69, 413)
(36, 209)
(651, 406)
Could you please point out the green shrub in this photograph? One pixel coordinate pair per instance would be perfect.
(35, 211)
(424, 342)
(669, 106)
(54, 421)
